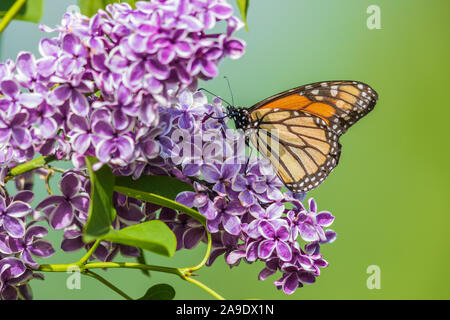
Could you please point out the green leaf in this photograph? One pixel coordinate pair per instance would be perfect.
(31, 11)
(160, 291)
(159, 190)
(165, 186)
(101, 211)
(243, 8)
(154, 236)
(90, 7)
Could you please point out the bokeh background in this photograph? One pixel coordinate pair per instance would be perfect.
(390, 192)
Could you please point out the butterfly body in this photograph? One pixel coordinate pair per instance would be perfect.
(298, 130)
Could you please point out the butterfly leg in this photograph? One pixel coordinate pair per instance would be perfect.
(247, 144)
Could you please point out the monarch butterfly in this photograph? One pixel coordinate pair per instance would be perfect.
(306, 123)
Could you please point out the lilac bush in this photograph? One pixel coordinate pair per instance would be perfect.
(121, 87)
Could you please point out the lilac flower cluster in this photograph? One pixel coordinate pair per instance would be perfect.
(120, 86)
(20, 243)
(97, 86)
(247, 212)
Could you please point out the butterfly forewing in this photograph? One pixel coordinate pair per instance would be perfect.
(339, 103)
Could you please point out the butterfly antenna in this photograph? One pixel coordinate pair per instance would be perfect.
(231, 92)
(219, 118)
(216, 96)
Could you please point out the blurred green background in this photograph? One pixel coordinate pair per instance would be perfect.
(390, 192)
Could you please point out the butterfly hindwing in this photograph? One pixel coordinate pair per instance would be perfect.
(300, 147)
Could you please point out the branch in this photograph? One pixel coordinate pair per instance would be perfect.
(29, 166)
(11, 13)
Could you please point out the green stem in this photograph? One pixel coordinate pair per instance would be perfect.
(101, 265)
(29, 166)
(133, 265)
(183, 273)
(47, 182)
(56, 169)
(89, 253)
(11, 13)
(108, 284)
(204, 287)
(206, 257)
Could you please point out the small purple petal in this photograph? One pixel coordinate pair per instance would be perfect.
(79, 103)
(14, 227)
(324, 218)
(312, 205)
(266, 248)
(42, 248)
(210, 173)
(267, 230)
(18, 209)
(70, 185)
(284, 251)
(192, 237)
(231, 224)
(290, 283)
(61, 216)
(81, 203)
(9, 88)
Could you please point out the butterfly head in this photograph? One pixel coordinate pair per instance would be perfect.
(240, 117)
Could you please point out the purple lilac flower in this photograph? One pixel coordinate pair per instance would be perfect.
(276, 237)
(223, 243)
(31, 245)
(114, 146)
(15, 131)
(221, 175)
(244, 185)
(12, 213)
(310, 224)
(81, 133)
(63, 206)
(13, 100)
(188, 231)
(12, 273)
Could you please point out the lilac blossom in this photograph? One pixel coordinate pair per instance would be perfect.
(13, 100)
(63, 206)
(114, 145)
(221, 175)
(13, 273)
(188, 231)
(14, 132)
(276, 238)
(31, 245)
(12, 212)
(223, 243)
(310, 224)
